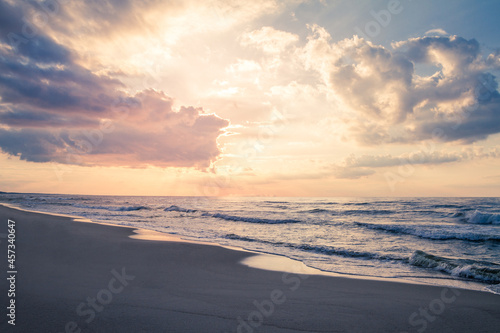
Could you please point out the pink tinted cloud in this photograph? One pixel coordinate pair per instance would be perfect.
(54, 110)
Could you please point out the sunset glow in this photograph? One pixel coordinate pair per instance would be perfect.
(262, 98)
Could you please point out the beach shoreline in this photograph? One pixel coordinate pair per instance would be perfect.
(94, 277)
(260, 260)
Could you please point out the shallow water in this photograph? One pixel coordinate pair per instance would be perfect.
(443, 241)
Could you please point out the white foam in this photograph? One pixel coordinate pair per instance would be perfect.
(478, 217)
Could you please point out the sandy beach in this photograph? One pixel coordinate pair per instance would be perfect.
(86, 277)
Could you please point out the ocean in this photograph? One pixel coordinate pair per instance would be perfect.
(441, 241)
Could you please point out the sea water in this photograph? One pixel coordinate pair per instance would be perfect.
(440, 241)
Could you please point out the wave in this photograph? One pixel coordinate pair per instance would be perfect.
(430, 212)
(494, 288)
(357, 203)
(434, 232)
(328, 250)
(478, 217)
(316, 211)
(100, 216)
(71, 198)
(394, 202)
(447, 206)
(469, 269)
(277, 202)
(236, 237)
(273, 206)
(58, 203)
(114, 208)
(174, 208)
(460, 268)
(365, 212)
(128, 208)
(248, 239)
(250, 219)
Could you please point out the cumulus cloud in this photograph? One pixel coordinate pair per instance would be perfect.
(391, 101)
(54, 110)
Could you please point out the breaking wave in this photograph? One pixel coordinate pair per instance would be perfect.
(327, 250)
(469, 269)
(365, 212)
(478, 217)
(437, 232)
(174, 208)
(250, 219)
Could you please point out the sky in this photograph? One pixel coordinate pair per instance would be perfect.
(262, 98)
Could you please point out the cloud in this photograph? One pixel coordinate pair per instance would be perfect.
(419, 157)
(62, 86)
(123, 20)
(17, 31)
(269, 39)
(351, 173)
(474, 123)
(365, 165)
(455, 54)
(388, 102)
(54, 110)
(244, 66)
(436, 32)
(30, 118)
(148, 133)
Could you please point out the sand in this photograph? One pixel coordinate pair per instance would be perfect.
(88, 277)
